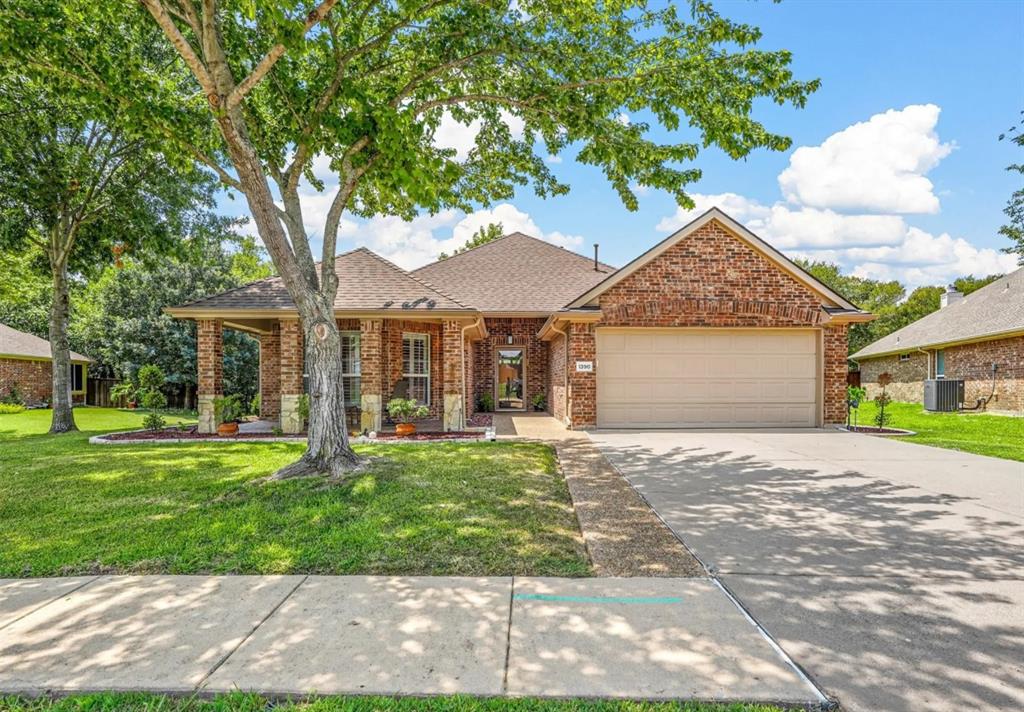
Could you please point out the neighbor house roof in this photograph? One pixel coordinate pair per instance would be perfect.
(516, 274)
(994, 310)
(18, 344)
(367, 282)
(849, 310)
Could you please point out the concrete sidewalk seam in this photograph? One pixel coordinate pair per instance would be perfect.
(41, 606)
(248, 635)
(508, 635)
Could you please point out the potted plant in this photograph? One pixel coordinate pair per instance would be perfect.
(540, 402)
(227, 411)
(405, 410)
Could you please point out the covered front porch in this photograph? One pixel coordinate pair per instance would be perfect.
(423, 358)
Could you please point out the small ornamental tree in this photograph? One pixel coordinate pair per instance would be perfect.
(260, 88)
(882, 401)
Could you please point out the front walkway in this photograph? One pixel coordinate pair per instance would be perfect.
(635, 638)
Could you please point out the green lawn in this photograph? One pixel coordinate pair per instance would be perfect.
(125, 702)
(994, 435)
(67, 507)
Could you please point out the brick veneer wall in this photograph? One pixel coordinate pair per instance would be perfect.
(33, 379)
(835, 345)
(907, 376)
(970, 362)
(556, 377)
(524, 335)
(582, 385)
(973, 363)
(210, 357)
(291, 356)
(270, 374)
(711, 278)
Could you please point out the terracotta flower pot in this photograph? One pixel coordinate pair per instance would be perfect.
(404, 429)
(225, 429)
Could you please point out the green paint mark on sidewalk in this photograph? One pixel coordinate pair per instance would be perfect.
(597, 599)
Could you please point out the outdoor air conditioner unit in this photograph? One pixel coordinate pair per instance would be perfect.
(942, 394)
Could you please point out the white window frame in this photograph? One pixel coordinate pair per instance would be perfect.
(357, 372)
(940, 353)
(406, 374)
(71, 377)
(904, 358)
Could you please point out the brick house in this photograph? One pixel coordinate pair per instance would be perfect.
(26, 366)
(712, 327)
(978, 338)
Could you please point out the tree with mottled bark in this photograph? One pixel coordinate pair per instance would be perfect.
(363, 85)
(79, 188)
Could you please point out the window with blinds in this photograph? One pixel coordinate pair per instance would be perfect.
(416, 366)
(351, 368)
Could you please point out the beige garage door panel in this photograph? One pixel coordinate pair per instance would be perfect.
(706, 378)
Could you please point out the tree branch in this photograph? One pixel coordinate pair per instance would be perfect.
(275, 53)
(166, 23)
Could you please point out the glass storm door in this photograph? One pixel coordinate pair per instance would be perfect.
(511, 379)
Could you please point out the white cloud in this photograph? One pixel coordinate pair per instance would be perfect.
(553, 158)
(411, 244)
(623, 118)
(878, 165)
(462, 137)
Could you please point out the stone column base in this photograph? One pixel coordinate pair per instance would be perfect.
(291, 421)
(371, 413)
(207, 418)
(453, 413)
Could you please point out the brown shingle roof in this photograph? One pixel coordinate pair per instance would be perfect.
(366, 282)
(996, 308)
(516, 273)
(21, 345)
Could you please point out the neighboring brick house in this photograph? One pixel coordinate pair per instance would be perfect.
(26, 368)
(712, 327)
(977, 338)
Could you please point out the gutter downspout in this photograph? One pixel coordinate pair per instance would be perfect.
(462, 345)
(565, 373)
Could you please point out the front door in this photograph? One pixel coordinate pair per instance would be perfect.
(510, 379)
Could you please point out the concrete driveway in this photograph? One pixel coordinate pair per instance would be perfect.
(893, 572)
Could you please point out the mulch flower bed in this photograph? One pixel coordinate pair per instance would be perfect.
(452, 435)
(192, 435)
(480, 420)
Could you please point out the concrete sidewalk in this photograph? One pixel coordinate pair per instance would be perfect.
(634, 638)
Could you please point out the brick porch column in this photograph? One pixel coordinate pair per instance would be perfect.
(582, 398)
(834, 373)
(210, 366)
(371, 374)
(270, 374)
(451, 375)
(291, 359)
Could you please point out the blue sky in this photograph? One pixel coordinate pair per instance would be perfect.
(915, 193)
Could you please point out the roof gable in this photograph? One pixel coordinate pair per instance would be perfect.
(515, 273)
(19, 344)
(830, 297)
(997, 309)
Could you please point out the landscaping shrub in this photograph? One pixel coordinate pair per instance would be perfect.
(13, 397)
(882, 400)
(485, 403)
(11, 408)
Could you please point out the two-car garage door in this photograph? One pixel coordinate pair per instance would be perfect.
(707, 378)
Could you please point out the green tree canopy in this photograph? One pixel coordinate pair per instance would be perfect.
(1013, 230)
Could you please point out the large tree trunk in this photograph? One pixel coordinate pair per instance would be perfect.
(63, 417)
(327, 451)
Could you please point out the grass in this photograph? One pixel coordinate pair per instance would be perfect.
(67, 507)
(238, 702)
(993, 435)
